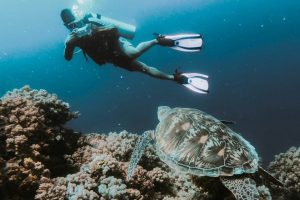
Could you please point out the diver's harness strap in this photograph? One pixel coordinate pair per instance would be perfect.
(92, 18)
(84, 27)
(87, 26)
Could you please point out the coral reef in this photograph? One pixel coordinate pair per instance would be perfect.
(264, 193)
(103, 174)
(286, 167)
(41, 159)
(33, 140)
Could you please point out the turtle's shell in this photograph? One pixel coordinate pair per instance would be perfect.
(194, 142)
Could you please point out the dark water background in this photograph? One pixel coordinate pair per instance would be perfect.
(251, 52)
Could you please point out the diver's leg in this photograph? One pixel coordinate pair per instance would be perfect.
(151, 71)
(145, 46)
(135, 52)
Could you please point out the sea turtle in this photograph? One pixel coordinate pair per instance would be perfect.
(194, 142)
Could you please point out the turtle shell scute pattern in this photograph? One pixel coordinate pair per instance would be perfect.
(192, 141)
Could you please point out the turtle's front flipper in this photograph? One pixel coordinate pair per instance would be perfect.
(138, 152)
(243, 188)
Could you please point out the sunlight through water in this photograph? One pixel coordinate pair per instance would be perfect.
(82, 6)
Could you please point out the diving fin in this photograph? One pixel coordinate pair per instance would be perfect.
(181, 42)
(193, 81)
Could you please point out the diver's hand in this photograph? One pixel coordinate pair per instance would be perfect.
(74, 31)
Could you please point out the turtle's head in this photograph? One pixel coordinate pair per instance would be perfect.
(162, 112)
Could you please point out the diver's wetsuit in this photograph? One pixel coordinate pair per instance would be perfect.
(104, 45)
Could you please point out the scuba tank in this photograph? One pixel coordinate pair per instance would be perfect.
(82, 25)
(125, 30)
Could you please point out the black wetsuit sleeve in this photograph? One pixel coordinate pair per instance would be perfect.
(69, 48)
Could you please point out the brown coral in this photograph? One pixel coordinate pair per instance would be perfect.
(286, 167)
(54, 189)
(106, 163)
(33, 140)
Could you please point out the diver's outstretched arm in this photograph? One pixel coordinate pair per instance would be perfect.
(151, 71)
(135, 52)
(70, 45)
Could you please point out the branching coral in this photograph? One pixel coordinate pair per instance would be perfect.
(33, 140)
(106, 164)
(80, 186)
(111, 188)
(54, 189)
(264, 193)
(286, 167)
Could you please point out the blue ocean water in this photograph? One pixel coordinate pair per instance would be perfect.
(251, 53)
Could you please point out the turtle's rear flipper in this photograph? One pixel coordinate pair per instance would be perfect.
(269, 177)
(137, 153)
(243, 188)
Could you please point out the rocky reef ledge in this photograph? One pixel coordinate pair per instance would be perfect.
(42, 159)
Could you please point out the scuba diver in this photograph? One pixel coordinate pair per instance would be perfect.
(103, 40)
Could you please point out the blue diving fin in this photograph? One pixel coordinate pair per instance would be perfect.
(193, 81)
(181, 42)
